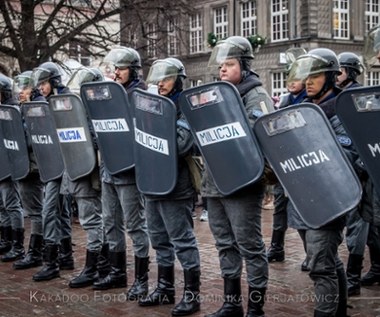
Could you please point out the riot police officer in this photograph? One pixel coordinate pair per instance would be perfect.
(356, 228)
(319, 68)
(87, 194)
(235, 220)
(121, 202)
(351, 67)
(370, 210)
(31, 187)
(296, 94)
(170, 224)
(56, 212)
(11, 212)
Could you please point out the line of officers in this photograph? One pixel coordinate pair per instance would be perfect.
(110, 205)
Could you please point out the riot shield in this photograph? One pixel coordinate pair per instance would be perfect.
(74, 135)
(43, 135)
(304, 153)
(14, 141)
(108, 108)
(359, 111)
(155, 142)
(221, 129)
(5, 168)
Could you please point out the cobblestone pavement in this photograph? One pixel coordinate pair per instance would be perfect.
(290, 291)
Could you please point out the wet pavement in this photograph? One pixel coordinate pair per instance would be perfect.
(290, 291)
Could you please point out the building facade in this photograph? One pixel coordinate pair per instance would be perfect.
(188, 31)
(340, 25)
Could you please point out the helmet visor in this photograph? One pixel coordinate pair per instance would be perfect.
(161, 70)
(371, 47)
(307, 65)
(223, 51)
(80, 76)
(293, 53)
(40, 75)
(121, 58)
(22, 83)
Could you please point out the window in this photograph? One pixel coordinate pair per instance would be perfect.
(152, 40)
(373, 78)
(372, 14)
(195, 82)
(248, 17)
(196, 38)
(280, 20)
(341, 25)
(78, 53)
(279, 84)
(173, 42)
(220, 23)
(131, 37)
(81, 3)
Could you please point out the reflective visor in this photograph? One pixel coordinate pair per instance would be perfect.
(371, 47)
(161, 70)
(80, 76)
(223, 51)
(307, 65)
(120, 57)
(22, 82)
(40, 75)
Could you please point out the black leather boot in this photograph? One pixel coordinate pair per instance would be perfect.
(89, 273)
(6, 239)
(342, 303)
(140, 286)
(66, 259)
(103, 265)
(165, 291)
(190, 302)
(256, 300)
(373, 275)
(318, 313)
(33, 257)
(117, 278)
(232, 306)
(50, 269)
(276, 251)
(354, 270)
(305, 265)
(17, 251)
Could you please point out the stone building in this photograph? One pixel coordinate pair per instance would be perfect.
(340, 25)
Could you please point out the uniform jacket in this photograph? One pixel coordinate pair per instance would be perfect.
(126, 177)
(328, 107)
(184, 186)
(252, 93)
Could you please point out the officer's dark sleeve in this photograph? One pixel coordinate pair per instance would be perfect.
(344, 140)
(92, 133)
(185, 140)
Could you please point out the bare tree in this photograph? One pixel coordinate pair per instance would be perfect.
(36, 31)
